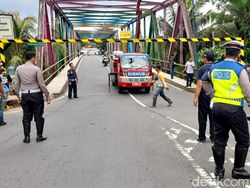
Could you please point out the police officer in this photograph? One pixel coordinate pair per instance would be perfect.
(30, 83)
(202, 100)
(72, 80)
(231, 85)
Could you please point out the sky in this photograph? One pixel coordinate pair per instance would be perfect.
(24, 7)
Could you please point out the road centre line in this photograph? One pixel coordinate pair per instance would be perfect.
(162, 115)
(136, 100)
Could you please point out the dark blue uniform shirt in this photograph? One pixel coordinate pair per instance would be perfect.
(201, 73)
(72, 75)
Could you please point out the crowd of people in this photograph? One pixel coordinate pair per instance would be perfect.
(5, 82)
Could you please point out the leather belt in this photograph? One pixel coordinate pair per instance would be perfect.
(31, 91)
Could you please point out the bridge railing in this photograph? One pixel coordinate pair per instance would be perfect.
(53, 70)
(178, 68)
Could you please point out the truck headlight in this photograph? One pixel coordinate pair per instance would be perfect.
(124, 79)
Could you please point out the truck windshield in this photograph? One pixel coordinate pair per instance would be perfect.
(140, 61)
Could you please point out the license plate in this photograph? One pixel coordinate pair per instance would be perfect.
(136, 84)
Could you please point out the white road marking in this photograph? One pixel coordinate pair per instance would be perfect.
(191, 141)
(175, 87)
(136, 100)
(211, 159)
(185, 151)
(183, 125)
(203, 174)
(189, 149)
(177, 131)
(167, 117)
(212, 175)
(174, 136)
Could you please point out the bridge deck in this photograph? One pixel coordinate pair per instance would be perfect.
(108, 140)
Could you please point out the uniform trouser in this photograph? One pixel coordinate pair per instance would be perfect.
(160, 91)
(1, 112)
(190, 77)
(33, 105)
(204, 111)
(72, 88)
(226, 118)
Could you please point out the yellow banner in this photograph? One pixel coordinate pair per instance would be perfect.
(125, 34)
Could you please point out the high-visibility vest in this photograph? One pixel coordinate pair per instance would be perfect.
(225, 78)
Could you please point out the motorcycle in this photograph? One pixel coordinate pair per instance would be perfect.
(105, 61)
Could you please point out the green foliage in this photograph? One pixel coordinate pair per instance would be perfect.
(217, 50)
(233, 20)
(23, 29)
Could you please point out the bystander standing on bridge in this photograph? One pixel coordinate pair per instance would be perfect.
(2, 95)
(189, 69)
(30, 84)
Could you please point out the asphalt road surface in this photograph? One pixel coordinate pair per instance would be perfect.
(111, 140)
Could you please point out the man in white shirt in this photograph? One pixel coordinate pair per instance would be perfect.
(189, 69)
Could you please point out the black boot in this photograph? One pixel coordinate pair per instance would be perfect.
(26, 139)
(40, 138)
(238, 171)
(26, 131)
(39, 128)
(219, 158)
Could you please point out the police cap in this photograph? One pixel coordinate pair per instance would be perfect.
(234, 44)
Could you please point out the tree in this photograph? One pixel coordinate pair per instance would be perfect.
(233, 20)
(24, 29)
(197, 18)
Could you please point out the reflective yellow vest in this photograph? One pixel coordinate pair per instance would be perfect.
(225, 78)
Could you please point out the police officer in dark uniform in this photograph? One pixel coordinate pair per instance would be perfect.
(202, 100)
(72, 80)
(231, 86)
